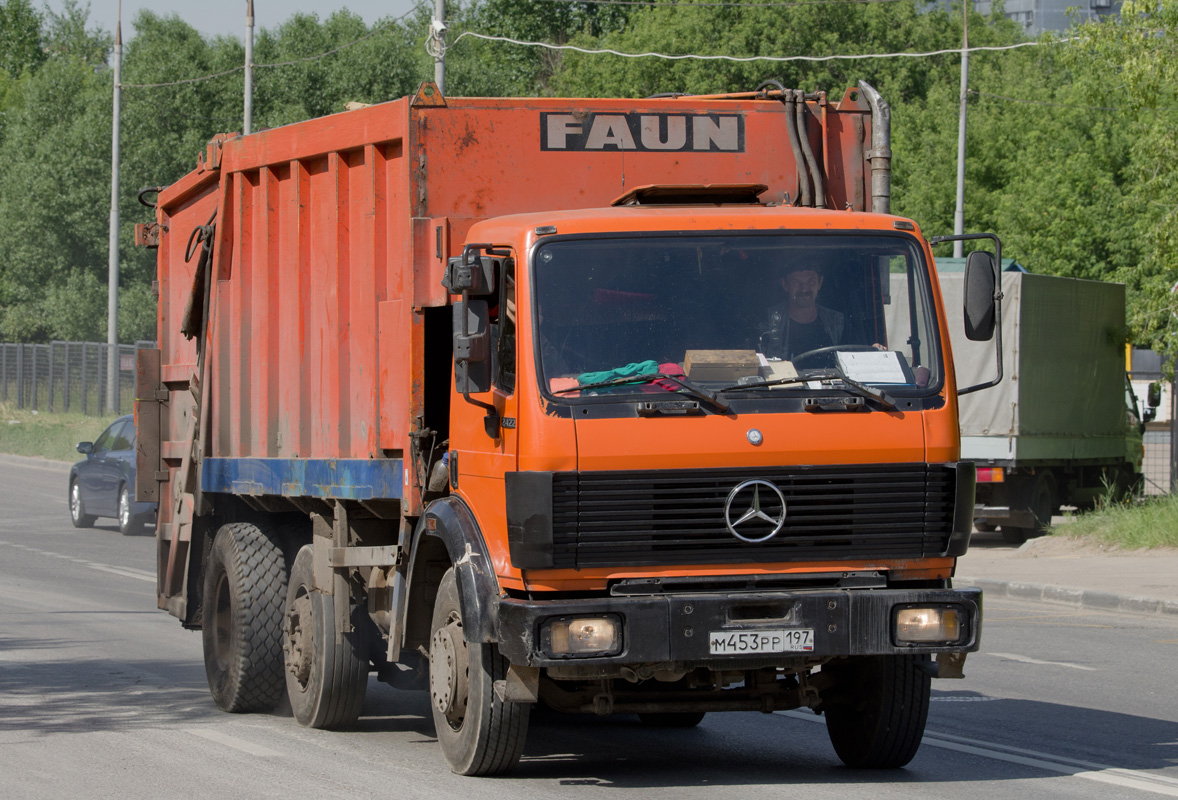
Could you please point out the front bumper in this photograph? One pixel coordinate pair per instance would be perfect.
(677, 628)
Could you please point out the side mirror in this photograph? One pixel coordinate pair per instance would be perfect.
(980, 284)
(1154, 397)
(470, 273)
(472, 347)
(86, 448)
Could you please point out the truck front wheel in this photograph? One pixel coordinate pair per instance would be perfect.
(244, 590)
(326, 674)
(480, 734)
(877, 710)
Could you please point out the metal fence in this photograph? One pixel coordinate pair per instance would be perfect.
(1160, 464)
(67, 376)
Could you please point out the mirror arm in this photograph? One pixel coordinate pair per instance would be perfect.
(491, 420)
(997, 302)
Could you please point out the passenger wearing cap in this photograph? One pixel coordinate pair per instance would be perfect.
(801, 324)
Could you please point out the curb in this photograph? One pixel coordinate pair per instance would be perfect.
(35, 462)
(1078, 598)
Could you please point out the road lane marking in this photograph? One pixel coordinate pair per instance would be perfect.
(1029, 660)
(125, 572)
(1062, 765)
(237, 744)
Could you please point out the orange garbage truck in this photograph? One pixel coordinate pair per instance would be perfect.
(594, 403)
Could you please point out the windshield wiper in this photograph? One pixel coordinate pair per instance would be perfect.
(695, 391)
(878, 395)
(835, 373)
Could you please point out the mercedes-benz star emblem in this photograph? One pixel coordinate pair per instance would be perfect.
(764, 506)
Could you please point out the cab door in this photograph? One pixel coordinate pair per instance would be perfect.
(484, 443)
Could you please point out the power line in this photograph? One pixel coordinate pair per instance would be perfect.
(744, 59)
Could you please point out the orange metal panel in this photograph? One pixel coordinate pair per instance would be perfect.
(394, 366)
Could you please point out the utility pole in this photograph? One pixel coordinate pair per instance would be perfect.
(439, 35)
(248, 123)
(112, 293)
(959, 215)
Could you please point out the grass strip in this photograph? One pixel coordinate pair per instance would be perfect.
(53, 436)
(1146, 523)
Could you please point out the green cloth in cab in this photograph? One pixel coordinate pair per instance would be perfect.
(638, 368)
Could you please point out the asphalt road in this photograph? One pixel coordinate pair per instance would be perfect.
(101, 695)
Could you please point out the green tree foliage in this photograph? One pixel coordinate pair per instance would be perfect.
(56, 175)
(1139, 51)
(20, 38)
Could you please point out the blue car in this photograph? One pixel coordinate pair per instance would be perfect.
(103, 484)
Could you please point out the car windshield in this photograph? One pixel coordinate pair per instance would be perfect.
(741, 313)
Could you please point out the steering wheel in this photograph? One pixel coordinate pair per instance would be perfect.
(834, 348)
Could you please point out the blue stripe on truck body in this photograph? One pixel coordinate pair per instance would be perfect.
(333, 478)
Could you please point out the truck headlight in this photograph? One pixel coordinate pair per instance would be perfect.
(582, 636)
(928, 625)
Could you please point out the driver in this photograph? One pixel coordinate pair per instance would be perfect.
(801, 324)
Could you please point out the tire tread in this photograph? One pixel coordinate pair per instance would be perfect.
(885, 727)
(255, 679)
(337, 690)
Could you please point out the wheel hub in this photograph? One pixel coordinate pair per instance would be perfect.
(222, 622)
(298, 645)
(448, 672)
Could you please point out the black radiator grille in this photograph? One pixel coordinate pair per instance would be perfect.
(609, 519)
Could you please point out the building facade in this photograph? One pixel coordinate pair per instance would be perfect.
(1037, 16)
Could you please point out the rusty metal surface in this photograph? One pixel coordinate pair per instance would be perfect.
(149, 394)
(147, 234)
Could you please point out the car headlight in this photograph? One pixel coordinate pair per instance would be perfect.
(582, 636)
(929, 625)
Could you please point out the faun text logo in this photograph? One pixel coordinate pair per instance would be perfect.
(701, 133)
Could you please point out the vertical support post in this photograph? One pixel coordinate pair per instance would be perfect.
(20, 376)
(51, 376)
(112, 293)
(440, 53)
(1174, 434)
(248, 120)
(4, 372)
(65, 398)
(85, 386)
(33, 383)
(959, 214)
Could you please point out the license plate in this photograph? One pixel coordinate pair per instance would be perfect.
(780, 640)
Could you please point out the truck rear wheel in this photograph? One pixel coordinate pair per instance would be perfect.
(878, 709)
(479, 733)
(244, 590)
(326, 674)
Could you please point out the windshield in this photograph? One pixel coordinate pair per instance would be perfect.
(735, 312)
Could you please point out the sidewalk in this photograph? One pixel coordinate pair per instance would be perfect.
(1053, 569)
